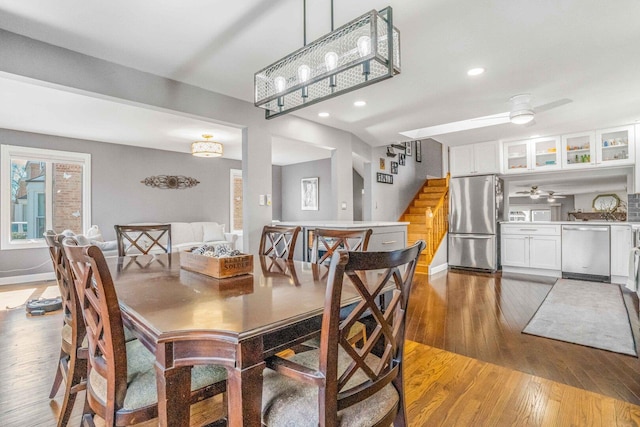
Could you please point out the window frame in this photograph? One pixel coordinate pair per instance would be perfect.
(7, 152)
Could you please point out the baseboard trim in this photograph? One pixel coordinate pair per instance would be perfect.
(438, 268)
(16, 280)
(532, 271)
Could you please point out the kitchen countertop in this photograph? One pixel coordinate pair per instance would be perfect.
(572, 223)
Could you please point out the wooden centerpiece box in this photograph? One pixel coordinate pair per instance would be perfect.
(219, 268)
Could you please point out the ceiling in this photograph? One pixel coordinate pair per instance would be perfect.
(554, 49)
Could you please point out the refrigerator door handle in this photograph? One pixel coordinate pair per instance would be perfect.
(475, 236)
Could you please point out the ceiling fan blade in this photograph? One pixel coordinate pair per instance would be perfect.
(550, 105)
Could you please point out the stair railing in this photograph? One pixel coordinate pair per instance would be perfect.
(436, 222)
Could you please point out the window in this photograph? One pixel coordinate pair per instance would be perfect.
(45, 190)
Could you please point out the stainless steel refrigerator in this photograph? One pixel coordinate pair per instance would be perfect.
(476, 205)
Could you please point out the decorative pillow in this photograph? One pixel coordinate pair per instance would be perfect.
(213, 232)
(94, 234)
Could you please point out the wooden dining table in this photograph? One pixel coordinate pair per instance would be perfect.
(187, 318)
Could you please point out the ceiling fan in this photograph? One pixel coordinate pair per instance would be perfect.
(521, 113)
(535, 193)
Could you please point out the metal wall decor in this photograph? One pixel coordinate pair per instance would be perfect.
(384, 178)
(418, 151)
(360, 53)
(172, 182)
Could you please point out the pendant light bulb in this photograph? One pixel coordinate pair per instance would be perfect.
(304, 72)
(280, 83)
(331, 61)
(364, 46)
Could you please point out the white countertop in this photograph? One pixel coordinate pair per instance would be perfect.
(585, 223)
(341, 224)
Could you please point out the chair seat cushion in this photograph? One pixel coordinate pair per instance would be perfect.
(289, 402)
(141, 378)
(66, 335)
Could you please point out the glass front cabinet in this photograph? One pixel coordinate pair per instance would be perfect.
(615, 145)
(532, 155)
(578, 150)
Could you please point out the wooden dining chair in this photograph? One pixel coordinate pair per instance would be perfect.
(143, 239)
(278, 241)
(338, 384)
(121, 386)
(72, 364)
(325, 243)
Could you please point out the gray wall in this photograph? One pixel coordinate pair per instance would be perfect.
(118, 197)
(432, 157)
(276, 192)
(358, 186)
(291, 194)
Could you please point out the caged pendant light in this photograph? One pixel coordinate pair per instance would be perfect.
(360, 53)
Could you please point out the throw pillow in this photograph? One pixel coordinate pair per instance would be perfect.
(93, 233)
(213, 232)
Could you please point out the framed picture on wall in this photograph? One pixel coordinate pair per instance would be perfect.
(381, 163)
(407, 148)
(394, 167)
(418, 151)
(401, 159)
(384, 178)
(309, 193)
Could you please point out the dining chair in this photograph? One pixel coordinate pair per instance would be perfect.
(338, 384)
(143, 239)
(325, 243)
(278, 241)
(72, 364)
(121, 385)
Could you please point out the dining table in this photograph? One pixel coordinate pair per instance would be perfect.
(186, 318)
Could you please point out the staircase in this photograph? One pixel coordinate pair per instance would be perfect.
(427, 215)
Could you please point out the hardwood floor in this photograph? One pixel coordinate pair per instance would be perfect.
(470, 323)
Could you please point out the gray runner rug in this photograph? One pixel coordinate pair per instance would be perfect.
(586, 313)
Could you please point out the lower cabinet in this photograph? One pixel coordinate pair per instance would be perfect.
(532, 247)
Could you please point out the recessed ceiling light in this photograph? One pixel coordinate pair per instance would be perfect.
(475, 71)
(323, 114)
(360, 103)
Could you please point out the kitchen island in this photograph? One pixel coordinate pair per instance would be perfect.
(544, 248)
(386, 236)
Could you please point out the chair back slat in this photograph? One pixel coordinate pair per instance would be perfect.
(143, 239)
(329, 240)
(370, 274)
(103, 321)
(278, 241)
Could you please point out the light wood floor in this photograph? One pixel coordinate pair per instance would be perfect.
(451, 317)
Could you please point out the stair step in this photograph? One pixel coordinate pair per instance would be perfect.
(417, 228)
(414, 237)
(418, 210)
(428, 189)
(422, 268)
(429, 196)
(412, 218)
(437, 182)
(424, 203)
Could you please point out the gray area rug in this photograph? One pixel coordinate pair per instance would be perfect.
(586, 313)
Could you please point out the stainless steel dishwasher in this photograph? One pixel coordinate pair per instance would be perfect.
(586, 252)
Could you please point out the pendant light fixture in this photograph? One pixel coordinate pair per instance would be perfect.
(361, 52)
(206, 148)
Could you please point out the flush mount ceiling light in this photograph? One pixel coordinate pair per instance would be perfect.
(206, 148)
(360, 103)
(521, 111)
(358, 54)
(475, 71)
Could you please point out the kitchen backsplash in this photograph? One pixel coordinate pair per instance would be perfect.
(633, 207)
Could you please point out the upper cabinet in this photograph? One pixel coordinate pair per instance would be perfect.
(532, 155)
(615, 146)
(475, 159)
(579, 150)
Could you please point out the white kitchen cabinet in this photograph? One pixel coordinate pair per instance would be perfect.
(579, 150)
(615, 146)
(475, 159)
(536, 248)
(621, 245)
(539, 154)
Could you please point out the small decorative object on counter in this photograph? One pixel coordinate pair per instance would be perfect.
(218, 261)
(218, 251)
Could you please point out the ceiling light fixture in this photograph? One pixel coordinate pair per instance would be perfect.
(348, 58)
(360, 103)
(475, 71)
(323, 114)
(206, 148)
(521, 111)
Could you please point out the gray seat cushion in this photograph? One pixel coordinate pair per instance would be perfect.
(66, 335)
(141, 378)
(288, 402)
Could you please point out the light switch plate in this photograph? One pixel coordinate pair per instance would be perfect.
(261, 202)
(268, 199)
(344, 206)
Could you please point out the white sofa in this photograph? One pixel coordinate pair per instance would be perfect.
(186, 235)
